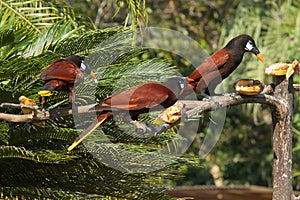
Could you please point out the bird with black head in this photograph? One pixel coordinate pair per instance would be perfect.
(63, 75)
(135, 101)
(222, 63)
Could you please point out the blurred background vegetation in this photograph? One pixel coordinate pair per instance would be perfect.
(34, 161)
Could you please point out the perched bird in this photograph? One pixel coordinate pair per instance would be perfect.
(137, 100)
(62, 75)
(30, 102)
(221, 64)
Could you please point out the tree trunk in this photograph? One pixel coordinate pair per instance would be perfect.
(282, 140)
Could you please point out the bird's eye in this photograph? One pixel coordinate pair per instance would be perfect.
(249, 46)
(82, 66)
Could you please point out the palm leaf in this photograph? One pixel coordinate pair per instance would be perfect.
(46, 156)
(6, 37)
(32, 14)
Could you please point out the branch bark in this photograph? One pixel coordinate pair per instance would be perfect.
(282, 141)
(192, 107)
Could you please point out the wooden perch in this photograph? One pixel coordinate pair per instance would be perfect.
(197, 107)
(192, 107)
(41, 115)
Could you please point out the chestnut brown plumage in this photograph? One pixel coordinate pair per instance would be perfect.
(222, 63)
(137, 100)
(63, 74)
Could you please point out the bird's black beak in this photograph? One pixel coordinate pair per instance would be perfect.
(258, 54)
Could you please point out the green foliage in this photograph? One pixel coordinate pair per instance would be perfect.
(34, 161)
(30, 14)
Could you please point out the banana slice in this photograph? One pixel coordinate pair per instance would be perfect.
(248, 86)
(283, 69)
(171, 114)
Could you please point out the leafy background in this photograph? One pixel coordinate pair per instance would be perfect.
(34, 162)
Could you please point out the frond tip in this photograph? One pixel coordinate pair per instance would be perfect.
(34, 14)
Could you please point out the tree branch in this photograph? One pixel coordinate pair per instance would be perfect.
(197, 107)
(192, 107)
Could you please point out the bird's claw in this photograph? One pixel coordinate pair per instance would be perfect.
(43, 111)
(161, 129)
(214, 103)
(232, 95)
(144, 127)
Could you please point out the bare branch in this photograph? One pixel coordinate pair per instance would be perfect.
(192, 107)
(16, 118)
(42, 115)
(197, 107)
(13, 105)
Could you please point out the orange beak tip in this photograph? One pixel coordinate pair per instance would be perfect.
(190, 79)
(93, 76)
(260, 57)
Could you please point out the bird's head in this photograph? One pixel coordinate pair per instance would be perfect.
(79, 61)
(178, 84)
(245, 43)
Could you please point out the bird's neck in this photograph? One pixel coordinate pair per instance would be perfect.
(236, 55)
(174, 86)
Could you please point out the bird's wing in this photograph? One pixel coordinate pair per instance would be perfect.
(63, 70)
(209, 81)
(142, 96)
(214, 62)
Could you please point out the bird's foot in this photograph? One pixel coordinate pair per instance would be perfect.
(214, 103)
(43, 111)
(232, 95)
(142, 126)
(161, 129)
(205, 97)
(74, 109)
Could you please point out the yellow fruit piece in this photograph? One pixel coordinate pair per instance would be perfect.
(45, 93)
(170, 115)
(283, 69)
(248, 87)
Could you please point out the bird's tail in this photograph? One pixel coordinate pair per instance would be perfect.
(100, 119)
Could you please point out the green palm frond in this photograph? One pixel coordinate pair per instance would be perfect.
(31, 14)
(45, 193)
(49, 38)
(136, 12)
(35, 33)
(6, 37)
(85, 42)
(45, 156)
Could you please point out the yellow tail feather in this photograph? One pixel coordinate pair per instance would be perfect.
(80, 138)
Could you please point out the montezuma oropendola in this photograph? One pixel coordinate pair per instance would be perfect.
(137, 100)
(62, 75)
(222, 63)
